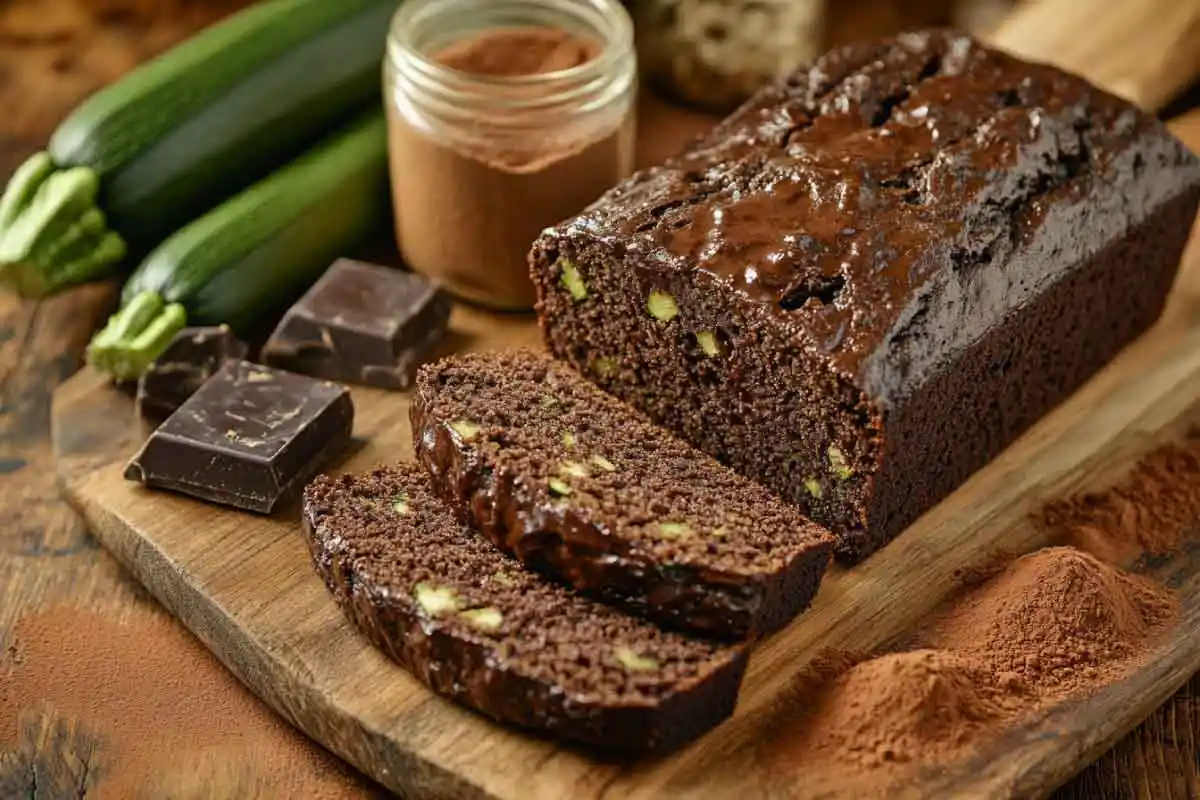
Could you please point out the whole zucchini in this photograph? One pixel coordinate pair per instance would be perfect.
(158, 148)
(250, 256)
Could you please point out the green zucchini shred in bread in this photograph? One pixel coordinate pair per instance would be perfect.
(583, 489)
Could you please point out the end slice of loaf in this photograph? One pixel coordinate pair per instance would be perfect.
(581, 487)
(476, 626)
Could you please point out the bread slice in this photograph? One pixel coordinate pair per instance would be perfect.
(479, 628)
(579, 486)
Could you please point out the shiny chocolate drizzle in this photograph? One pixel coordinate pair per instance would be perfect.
(922, 184)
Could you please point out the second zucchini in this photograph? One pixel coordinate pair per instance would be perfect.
(250, 256)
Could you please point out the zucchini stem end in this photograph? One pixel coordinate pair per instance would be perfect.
(135, 336)
(52, 234)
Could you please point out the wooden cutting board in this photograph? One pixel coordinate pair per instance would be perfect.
(245, 587)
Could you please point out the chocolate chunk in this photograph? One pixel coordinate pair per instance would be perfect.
(248, 438)
(361, 323)
(190, 360)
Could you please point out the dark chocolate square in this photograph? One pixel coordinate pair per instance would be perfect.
(189, 360)
(248, 438)
(361, 323)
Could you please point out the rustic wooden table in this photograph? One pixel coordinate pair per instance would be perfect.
(101, 692)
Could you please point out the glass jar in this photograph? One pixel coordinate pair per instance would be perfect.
(482, 162)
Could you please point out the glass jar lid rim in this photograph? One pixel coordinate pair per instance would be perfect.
(617, 45)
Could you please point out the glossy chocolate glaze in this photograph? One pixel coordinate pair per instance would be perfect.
(894, 201)
(558, 539)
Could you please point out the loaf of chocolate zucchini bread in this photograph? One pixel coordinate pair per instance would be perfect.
(873, 276)
(476, 626)
(580, 487)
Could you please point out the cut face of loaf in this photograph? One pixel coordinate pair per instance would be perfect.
(477, 627)
(582, 488)
(877, 273)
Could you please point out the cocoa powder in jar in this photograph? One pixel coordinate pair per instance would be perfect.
(555, 128)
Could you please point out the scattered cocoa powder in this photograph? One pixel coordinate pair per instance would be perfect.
(167, 719)
(1154, 509)
(910, 706)
(1025, 634)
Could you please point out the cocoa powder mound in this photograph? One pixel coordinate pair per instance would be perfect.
(1154, 509)
(1055, 623)
(1058, 619)
(898, 708)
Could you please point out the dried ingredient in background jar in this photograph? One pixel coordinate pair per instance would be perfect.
(505, 117)
(714, 54)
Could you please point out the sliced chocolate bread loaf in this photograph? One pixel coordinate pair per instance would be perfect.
(582, 488)
(476, 626)
(871, 278)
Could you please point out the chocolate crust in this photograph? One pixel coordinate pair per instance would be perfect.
(748, 581)
(547, 666)
(905, 254)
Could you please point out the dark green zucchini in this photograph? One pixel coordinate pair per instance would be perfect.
(145, 156)
(244, 260)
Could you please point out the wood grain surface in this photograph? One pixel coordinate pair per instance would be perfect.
(1143, 50)
(51, 53)
(245, 586)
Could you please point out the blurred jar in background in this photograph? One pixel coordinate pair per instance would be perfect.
(713, 54)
